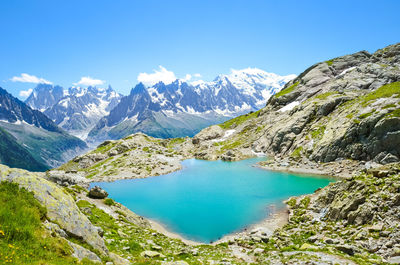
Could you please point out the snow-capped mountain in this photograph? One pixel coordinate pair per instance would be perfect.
(182, 108)
(42, 142)
(44, 96)
(78, 109)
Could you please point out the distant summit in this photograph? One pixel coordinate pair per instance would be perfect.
(183, 108)
(76, 109)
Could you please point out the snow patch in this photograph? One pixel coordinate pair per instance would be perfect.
(259, 154)
(226, 136)
(346, 71)
(289, 106)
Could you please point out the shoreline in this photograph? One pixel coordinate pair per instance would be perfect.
(160, 228)
(298, 171)
(343, 169)
(270, 224)
(267, 225)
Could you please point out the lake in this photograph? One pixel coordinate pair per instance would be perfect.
(209, 199)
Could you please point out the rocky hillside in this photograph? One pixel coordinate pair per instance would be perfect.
(353, 221)
(332, 119)
(136, 156)
(344, 108)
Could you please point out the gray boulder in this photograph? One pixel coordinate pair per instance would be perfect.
(97, 193)
(67, 179)
(389, 158)
(82, 253)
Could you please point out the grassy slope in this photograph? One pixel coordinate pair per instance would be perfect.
(13, 154)
(42, 144)
(23, 240)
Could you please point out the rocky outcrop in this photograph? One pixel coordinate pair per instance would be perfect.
(358, 201)
(208, 133)
(97, 193)
(356, 216)
(82, 253)
(344, 108)
(136, 156)
(61, 207)
(63, 178)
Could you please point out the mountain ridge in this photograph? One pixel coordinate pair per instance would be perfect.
(41, 142)
(199, 103)
(76, 109)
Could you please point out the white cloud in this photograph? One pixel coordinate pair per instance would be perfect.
(187, 77)
(88, 81)
(162, 74)
(25, 93)
(26, 78)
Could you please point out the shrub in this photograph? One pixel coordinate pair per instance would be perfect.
(109, 202)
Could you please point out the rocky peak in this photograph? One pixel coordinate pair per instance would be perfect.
(359, 71)
(343, 108)
(12, 110)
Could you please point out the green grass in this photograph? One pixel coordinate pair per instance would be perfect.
(103, 148)
(317, 134)
(385, 91)
(324, 96)
(109, 202)
(231, 145)
(389, 106)
(330, 62)
(366, 115)
(239, 120)
(175, 141)
(23, 239)
(146, 149)
(297, 152)
(287, 90)
(394, 114)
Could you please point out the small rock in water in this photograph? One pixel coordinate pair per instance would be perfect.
(97, 193)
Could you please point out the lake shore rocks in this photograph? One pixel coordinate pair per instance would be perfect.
(97, 193)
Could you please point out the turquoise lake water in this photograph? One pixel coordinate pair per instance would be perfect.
(209, 199)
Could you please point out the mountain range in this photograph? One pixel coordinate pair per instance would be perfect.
(76, 109)
(29, 139)
(184, 108)
(180, 108)
(45, 130)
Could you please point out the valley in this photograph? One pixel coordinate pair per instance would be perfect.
(339, 118)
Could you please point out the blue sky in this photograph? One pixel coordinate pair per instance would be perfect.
(115, 41)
